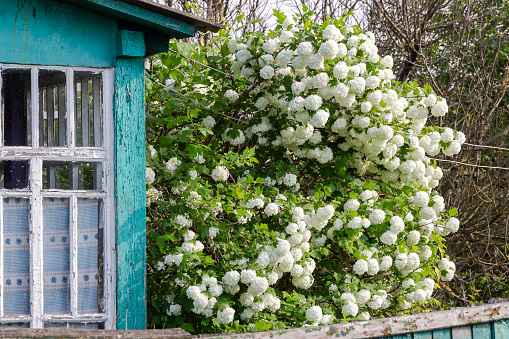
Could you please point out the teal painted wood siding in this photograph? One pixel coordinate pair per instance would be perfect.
(154, 22)
(129, 117)
(46, 32)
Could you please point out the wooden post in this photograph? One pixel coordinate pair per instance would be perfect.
(129, 121)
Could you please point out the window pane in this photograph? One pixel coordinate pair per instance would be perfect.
(15, 325)
(52, 108)
(14, 174)
(89, 326)
(72, 175)
(16, 256)
(16, 106)
(56, 256)
(88, 94)
(90, 254)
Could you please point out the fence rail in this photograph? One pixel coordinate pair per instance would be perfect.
(487, 321)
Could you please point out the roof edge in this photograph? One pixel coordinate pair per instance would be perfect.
(202, 25)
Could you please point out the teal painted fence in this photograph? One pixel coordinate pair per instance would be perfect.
(46, 32)
(491, 330)
(129, 118)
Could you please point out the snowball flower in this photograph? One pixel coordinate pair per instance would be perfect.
(267, 72)
(377, 216)
(350, 309)
(314, 314)
(397, 224)
(319, 119)
(360, 267)
(351, 205)
(220, 173)
(331, 32)
(231, 95)
(440, 108)
(313, 102)
(329, 49)
(225, 316)
(271, 209)
(150, 175)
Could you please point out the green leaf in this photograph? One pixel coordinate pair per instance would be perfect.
(262, 326)
(353, 195)
(209, 261)
(188, 327)
(452, 212)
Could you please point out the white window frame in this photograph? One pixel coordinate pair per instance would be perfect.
(36, 154)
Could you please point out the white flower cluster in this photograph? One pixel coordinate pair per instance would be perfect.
(338, 101)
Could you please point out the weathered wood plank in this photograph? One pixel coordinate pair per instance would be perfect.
(153, 21)
(174, 333)
(501, 329)
(129, 115)
(464, 332)
(41, 32)
(385, 327)
(423, 335)
(130, 44)
(481, 330)
(403, 336)
(444, 333)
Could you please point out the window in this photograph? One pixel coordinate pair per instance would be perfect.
(56, 198)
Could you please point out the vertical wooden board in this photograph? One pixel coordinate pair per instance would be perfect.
(402, 336)
(129, 116)
(481, 331)
(442, 334)
(501, 329)
(464, 332)
(423, 335)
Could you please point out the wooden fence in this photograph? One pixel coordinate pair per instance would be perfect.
(487, 321)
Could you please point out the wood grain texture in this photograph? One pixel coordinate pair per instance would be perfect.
(481, 331)
(49, 32)
(464, 332)
(501, 329)
(387, 327)
(444, 333)
(147, 19)
(130, 43)
(175, 333)
(129, 116)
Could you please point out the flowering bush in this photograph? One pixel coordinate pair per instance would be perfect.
(289, 182)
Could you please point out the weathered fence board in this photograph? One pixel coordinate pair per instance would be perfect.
(464, 332)
(432, 325)
(478, 322)
(442, 334)
(501, 329)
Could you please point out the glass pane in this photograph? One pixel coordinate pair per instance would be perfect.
(72, 175)
(16, 106)
(52, 108)
(56, 256)
(89, 326)
(14, 174)
(16, 256)
(89, 114)
(89, 256)
(15, 325)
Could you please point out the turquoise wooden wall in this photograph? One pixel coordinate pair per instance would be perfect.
(47, 32)
(490, 330)
(54, 33)
(129, 117)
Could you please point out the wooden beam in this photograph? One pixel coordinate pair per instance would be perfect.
(130, 192)
(144, 18)
(130, 44)
(438, 324)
